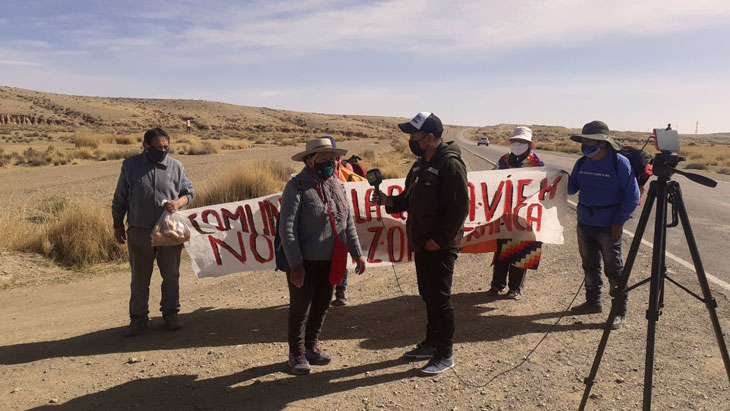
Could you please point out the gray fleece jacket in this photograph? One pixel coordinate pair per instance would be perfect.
(305, 228)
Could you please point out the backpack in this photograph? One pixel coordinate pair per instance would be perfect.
(354, 161)
(641, 165)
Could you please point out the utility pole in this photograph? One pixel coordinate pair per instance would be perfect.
(697, 126)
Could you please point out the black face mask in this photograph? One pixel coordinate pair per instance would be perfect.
(325, 169)
(157, 155)
(416, 148)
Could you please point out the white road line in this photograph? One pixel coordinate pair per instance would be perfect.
(711, 278)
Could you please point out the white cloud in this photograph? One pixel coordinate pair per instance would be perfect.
(427, 27)
(20, 63)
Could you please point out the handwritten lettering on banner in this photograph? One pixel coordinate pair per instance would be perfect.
(522, 204)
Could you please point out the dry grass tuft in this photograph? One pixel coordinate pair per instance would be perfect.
(394, 163)
(85, 139)
(207, 147)
(81, 236)
(85, 153)
(116, 154)
(75, 235)
(235, 145)
(249, 180)
(128, 139)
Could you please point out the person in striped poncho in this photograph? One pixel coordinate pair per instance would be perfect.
(513, 258)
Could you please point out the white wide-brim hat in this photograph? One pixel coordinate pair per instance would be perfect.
(523, 133)
(319, 145)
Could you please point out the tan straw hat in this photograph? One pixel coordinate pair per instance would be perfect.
(319, 145)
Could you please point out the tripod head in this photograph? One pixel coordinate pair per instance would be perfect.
(665, 164)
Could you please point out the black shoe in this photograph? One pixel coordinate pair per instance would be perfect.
(136, 327)
(172, 322)
(315, 356)
(340, 299)
(493, 292)
(421, 352)
(587, 308)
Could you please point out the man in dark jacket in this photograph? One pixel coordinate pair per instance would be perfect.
(436, 197)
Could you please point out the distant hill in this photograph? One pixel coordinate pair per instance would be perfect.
(27, 108)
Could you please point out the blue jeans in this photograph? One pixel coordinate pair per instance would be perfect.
(343, 285)
(595, 244)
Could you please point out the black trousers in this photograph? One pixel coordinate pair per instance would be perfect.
(308, 305)
(435, 272)
(516, 276)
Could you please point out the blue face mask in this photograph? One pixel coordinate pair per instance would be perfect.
(590, 151)
(325, 169)
(157, 155)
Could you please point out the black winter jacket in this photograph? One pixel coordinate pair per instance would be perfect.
(436, 197)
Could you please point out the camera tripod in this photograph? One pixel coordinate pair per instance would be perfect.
(664, 191)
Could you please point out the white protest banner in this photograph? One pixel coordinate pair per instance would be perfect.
(521, 204)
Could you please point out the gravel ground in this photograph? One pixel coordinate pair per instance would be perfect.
(62, 344)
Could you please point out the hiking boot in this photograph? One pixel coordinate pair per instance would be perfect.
(587, 308)
(136, 326)
(316, 356)
(493, 292)
(299, 364)
(340, 299)
(437, 366)
(421, 352)
(172, 322)
(514, 295)
(618, 322)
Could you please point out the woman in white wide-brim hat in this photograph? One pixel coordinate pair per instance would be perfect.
(511, 256)
(316, 227)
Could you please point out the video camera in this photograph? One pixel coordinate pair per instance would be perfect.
(375, 177)
(666, 141)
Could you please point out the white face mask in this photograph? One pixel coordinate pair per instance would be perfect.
(519, 148)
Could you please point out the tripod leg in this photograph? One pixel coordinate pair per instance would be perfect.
(633, 250)
(710, 302)
(655, 288)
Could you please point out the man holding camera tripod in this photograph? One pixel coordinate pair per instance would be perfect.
(436, 197)
(608, 195)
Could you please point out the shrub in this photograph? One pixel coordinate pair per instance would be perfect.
(248, 180)
(117, 154)
(85, 153)
(86, 140)
(127, 139)
(82, 235)
(724, 170)
(207, 147)
(235, 145)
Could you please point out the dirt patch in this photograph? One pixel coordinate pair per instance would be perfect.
(64, 343)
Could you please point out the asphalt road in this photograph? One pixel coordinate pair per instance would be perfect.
(707, 208)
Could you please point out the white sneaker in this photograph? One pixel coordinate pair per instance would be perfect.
(618, 322)
(437, 366)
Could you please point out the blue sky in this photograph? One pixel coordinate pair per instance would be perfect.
(634, 64)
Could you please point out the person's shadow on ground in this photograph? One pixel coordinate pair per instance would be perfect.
(248, 389)
(383, 324)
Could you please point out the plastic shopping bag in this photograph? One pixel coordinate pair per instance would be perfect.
(170, 230)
